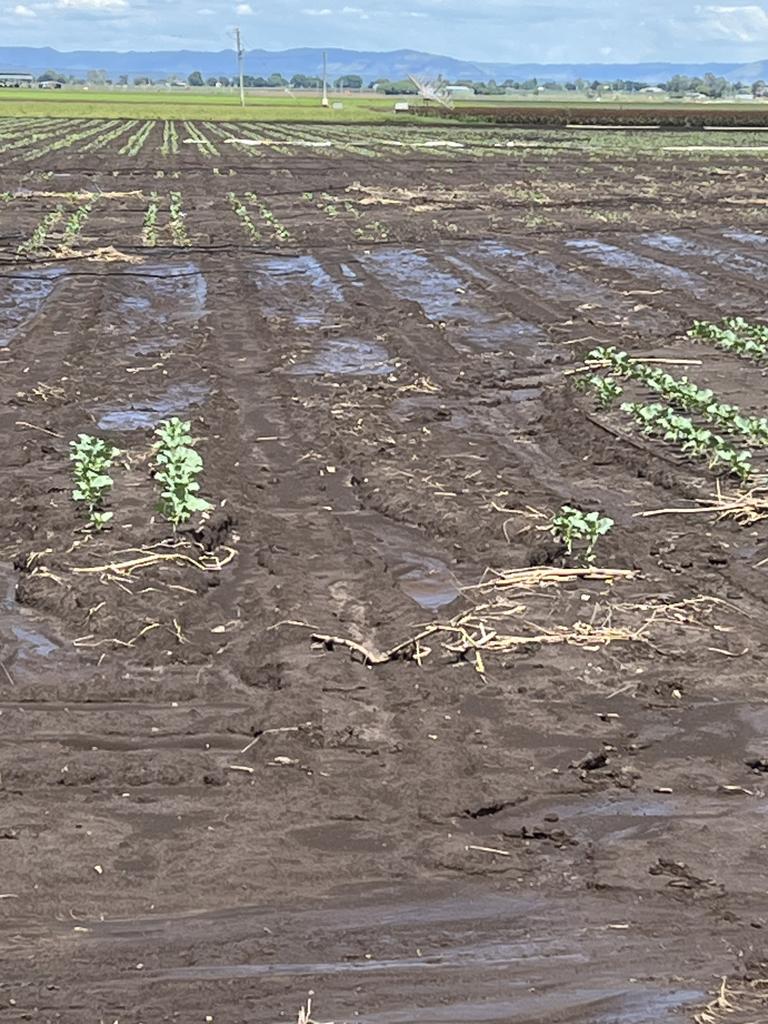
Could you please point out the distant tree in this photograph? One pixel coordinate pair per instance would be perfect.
(141, 80)
(349, 82)
(307, 82)
(52, 76)
(277, 81)
(97, 77)
(759, 88)
(122, 80)
(402, 88)
(223, 80)
(212, 81)
(196, 79)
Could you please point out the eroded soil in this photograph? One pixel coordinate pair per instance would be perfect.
(569, 832)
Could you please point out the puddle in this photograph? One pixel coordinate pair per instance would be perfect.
(750, 237)
(33, 643)
(157, 298)
(685, 247)
(473, 954)
(427, 581)
(443, 298)
(346, 357)
(599, 1006)
(414, 278)
(613, 256)
(635, 816)
(21, 299)
(351, 276)
(559, 282)
(424, 578)
(298, 288)
(18, 632)
(143, 414)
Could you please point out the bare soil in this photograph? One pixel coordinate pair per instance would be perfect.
(561, 832)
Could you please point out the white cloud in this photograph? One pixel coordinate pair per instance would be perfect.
(315, 12)
(91, 5)
(244, 9)
(22, 11)
(747, 24)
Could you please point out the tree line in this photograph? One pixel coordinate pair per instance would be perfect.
(709, 85)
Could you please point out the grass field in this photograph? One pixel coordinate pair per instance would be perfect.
(204, 105)
(193, 106)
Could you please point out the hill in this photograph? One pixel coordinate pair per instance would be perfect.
(395, 64)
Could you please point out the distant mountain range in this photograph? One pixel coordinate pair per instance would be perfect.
(395, 65)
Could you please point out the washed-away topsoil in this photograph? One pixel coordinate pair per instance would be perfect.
(205, 813)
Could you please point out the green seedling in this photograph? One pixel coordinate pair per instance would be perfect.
(571, 525)
(93, 457)
(177, 467)
(606, 389)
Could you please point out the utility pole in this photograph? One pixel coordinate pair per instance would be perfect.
(325, 78)
(240, 55)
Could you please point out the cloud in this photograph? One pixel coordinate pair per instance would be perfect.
(745, 24)
(91, 5)
(22, 11)
(314, 12)
(244, 9)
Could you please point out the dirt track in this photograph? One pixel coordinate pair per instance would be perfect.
(377, 394)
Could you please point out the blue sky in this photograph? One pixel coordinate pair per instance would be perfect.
(496, 30)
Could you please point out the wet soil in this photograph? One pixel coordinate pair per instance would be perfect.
(204, 813)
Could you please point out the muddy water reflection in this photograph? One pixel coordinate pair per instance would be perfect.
(622, 259)
(20, 638)
(347, 357)
(447, 298)
(296, 287)
(145, 413)
(21, 298)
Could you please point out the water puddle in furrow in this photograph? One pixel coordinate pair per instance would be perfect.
(297, 288)
(749, 237)
(722, 258)
(351, 276)
(145, 413)
(611, 1005)
(621, 259)
(443, 298)
(424, 578)
(499, 956)
(20, 641)
(154, 303)
(347, 357)
(21, 299)
(559, 281)
(635, 816)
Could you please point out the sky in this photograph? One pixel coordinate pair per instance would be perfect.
(515, 31)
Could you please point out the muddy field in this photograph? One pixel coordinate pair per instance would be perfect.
(206, 813)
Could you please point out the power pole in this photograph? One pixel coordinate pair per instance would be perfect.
(240, 55)
(325, 78)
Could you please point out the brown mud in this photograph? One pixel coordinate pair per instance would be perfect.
(204, 814)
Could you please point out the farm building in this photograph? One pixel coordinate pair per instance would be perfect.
(459, 91)
(16, 80)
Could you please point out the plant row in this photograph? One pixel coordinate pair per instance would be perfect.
(680, 392)
(662, 421)
(735, 335)
(176, 467)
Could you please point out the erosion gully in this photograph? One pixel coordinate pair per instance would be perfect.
(204, 815)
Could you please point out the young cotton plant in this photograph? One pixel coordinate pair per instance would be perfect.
(93, 457)
(177, 467)
(571, 526)
(736, 335)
